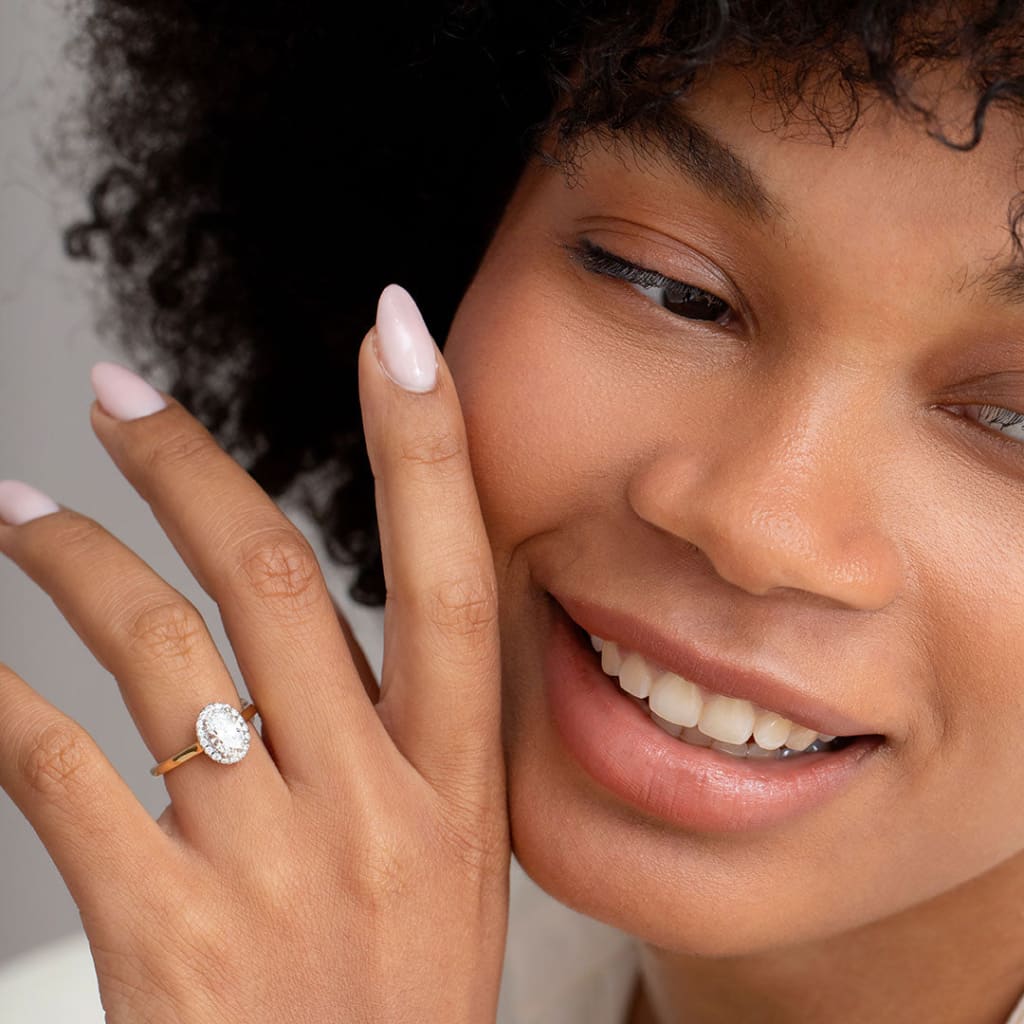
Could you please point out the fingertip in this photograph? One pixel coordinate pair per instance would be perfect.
(122, 393)
(20, 503)
(405, 350)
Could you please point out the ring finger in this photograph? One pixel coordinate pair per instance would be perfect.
(151, 639)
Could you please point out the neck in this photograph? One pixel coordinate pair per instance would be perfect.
(956, 958)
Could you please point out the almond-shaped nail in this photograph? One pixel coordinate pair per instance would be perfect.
(123, 394)
(20, 503)
(404, 347)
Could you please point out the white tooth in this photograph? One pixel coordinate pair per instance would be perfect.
(800, 737)
(676, 699)
(610, 658)
(736, 749)
(670, 727)
(727, 719)
(682, 708)
(697, 738)
(635, 676)
(771, 730)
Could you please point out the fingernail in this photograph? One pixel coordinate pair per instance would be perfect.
(20, 503)
(123, 394)
(404, 347)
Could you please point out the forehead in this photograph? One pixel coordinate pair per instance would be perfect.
(884, 184)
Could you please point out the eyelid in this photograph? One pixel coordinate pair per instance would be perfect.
(976, 430)
(587, 249)
(591, 255)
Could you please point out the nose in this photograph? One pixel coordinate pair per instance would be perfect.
(778, 497)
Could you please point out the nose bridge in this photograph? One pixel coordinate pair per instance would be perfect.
(780, 497)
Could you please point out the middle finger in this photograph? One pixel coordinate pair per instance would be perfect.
(261, 571)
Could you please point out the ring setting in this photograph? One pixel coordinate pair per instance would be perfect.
(222, 733)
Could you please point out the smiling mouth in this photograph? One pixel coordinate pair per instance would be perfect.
(702, 718)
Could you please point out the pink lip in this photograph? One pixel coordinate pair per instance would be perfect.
(730, 680)
(615, 741)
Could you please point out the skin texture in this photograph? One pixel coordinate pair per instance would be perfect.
(795, 492)
(293, 885)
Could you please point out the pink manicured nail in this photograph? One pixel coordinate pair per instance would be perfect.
(20, 503)
(123, 394)
(404, 347)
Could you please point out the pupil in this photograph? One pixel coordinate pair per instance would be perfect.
(695, 307)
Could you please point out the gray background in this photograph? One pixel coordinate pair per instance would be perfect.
(48, 341)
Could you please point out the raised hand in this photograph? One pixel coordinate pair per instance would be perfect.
(352, 866)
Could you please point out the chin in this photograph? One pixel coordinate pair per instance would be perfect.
(689, 895)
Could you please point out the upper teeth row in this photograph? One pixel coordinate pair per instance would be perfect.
(677, 700)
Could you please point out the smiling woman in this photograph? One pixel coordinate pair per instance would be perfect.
(697, 532)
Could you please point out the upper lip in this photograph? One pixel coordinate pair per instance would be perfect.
(671, 653)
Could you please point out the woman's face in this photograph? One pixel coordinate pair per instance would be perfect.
(793, 480)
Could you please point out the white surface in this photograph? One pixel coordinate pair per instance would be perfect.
(52, 984)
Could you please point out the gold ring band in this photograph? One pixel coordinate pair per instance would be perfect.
(203, 741)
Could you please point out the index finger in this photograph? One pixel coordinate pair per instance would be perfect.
(440, 692)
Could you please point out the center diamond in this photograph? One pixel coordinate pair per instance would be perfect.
(223, 733)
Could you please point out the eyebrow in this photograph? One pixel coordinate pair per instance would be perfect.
(1005, 282)
(704, 158)
(698, 154)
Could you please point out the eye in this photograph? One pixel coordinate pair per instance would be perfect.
(996, 417)
(684, 300)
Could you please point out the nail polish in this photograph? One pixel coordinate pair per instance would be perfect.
(403, 344)
(123, 394)
(20, 503)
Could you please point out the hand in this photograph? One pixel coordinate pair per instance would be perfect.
(354, 865)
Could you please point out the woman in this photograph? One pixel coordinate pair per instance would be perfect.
(717, 479)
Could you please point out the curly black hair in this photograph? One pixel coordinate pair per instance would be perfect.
(265, 167)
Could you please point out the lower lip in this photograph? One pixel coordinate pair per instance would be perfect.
(618, 745)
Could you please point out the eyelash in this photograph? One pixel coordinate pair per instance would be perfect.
(987, 416)
(600, 261)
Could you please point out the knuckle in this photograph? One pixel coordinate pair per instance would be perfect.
(465, 605)
(176, 447)
(437, 450)
(56, 759)
(78, 532)
(279, 565)
(382, 876)
(479, 848)
(168, 631)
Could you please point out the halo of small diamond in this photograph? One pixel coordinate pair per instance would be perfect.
(223, 733)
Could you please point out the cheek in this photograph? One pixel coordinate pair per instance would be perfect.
(541, 423)
(558, 421)
(967, 624)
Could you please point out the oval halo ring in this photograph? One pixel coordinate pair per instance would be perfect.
(222, 733)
